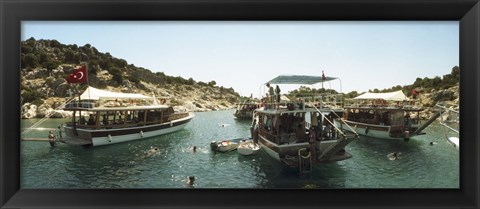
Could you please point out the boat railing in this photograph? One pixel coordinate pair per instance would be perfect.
(282, 138)
(375, 103)
(130, 123)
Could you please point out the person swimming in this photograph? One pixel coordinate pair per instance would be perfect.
(393, 156)
(191, 181)
(152, 151)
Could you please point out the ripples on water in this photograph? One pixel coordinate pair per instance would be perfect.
(131, 165)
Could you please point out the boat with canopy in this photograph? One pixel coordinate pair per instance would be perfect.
(389, 115)
(115, 117)
(300, 132)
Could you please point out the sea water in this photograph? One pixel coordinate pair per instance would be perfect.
(131, 165)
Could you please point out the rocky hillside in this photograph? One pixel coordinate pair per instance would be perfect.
(46, 64)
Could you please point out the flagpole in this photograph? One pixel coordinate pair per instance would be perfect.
(88, 84)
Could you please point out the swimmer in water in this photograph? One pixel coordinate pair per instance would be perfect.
(152, 151)
(194, 149)
(392, 156)
(191, 180)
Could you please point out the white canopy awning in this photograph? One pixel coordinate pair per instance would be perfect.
(97, 94)
(391, 96)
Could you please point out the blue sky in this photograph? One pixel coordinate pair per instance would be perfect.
(245, 55)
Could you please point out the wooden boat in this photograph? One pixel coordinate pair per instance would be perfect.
(248, 147)
(285, 128)
(226, 145)
(245, 109)
(384, 115)
(122, 119)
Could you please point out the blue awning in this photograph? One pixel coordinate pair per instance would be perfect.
(300, 79)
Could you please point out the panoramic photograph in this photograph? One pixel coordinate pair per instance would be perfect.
(239, 104)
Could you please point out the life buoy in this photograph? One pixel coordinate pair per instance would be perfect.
(302, 156)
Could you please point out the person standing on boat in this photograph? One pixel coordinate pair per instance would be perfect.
(91, 120)
(312, 142)
(51, 139)
(83, 121)
(271, 93)
(105, 119)
(277, 93)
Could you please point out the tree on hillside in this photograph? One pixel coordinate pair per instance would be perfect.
(212, 83)
(29, 61)
(117, 75)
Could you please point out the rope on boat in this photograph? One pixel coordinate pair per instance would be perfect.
(41, 121)
(331, 123)
(351, 129)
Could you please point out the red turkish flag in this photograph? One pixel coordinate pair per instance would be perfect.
(79, 76)
(323, 76)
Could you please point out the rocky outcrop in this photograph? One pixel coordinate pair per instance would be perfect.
(446, 97)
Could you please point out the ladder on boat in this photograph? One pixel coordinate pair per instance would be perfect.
(47, 116)
(304, 161)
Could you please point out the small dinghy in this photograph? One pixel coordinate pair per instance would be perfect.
(455, 141)
(248, 147)
(224, 145)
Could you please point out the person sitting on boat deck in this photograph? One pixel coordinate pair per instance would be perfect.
(408, 120)
(51, 138)
(105, 119)
(300, 103)
(120, 120)
(91, 120)
(83, 121)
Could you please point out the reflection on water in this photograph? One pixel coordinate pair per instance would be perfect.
(134, 165)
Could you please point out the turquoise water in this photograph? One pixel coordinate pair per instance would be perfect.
(129, 165)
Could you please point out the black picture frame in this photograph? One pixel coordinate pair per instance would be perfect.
(13, 12)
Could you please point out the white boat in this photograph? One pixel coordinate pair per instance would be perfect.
(450, 119)
(306, 123)
(248, 147)
(226, 145)
(384, 115)
(124, 117)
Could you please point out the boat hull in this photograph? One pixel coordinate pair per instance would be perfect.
(374, 131)
(113, 136)
(278, 152)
